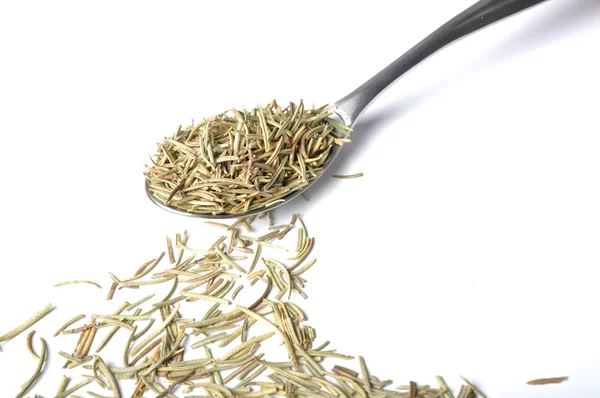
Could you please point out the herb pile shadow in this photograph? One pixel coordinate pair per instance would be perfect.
(241, 161)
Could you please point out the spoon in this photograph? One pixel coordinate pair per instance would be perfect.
(349, 108)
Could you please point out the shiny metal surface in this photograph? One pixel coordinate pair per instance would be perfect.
(349, 108)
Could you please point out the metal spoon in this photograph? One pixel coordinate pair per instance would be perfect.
(349, 108)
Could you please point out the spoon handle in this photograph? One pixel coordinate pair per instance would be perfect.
(479, 15)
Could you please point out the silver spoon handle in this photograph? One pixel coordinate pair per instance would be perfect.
(479, 15)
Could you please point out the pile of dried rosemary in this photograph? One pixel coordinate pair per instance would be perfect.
(241, 161)
(203, 338)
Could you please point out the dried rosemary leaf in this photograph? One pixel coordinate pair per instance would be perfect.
(139, 302)
(205, 297)
(170, 250)
(30, 345)
(477, 392)
(548, 380)
(64, 382)
(69, 323)
(36, 374)
(365, 374)
(112, 290)
(236, 291)
(445, 390)
(20, 329)
(159, 364)
(75, 282)
(109, 376)
(348, 175)
(76, 387)
(240, 161)
(155, 333)
(259, 318)
(217, 224)
(248, 343)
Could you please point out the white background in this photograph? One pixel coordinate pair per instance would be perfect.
(470, 246)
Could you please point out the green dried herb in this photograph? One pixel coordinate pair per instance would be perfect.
(73, 389)
(240, 161)
(539, 382)
(348, 175)
(38, 371)
(159, 362)
(20, 329)
(64, 383)
(155, 333)
(75, 282)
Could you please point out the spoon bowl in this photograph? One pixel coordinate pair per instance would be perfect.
(335, 150)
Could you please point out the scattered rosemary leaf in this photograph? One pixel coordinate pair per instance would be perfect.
(111, 291)
(109, 376)
(30, 345)
(159, 363)
(20, 329)
(38, 371)
(170, 250)
(348, 176)
(76, 387)
(236, 291)
(365, 374)
(75, 282)
(155, 333)
(475, 390)
(64, 382)
(445, 390)
(548, 380)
